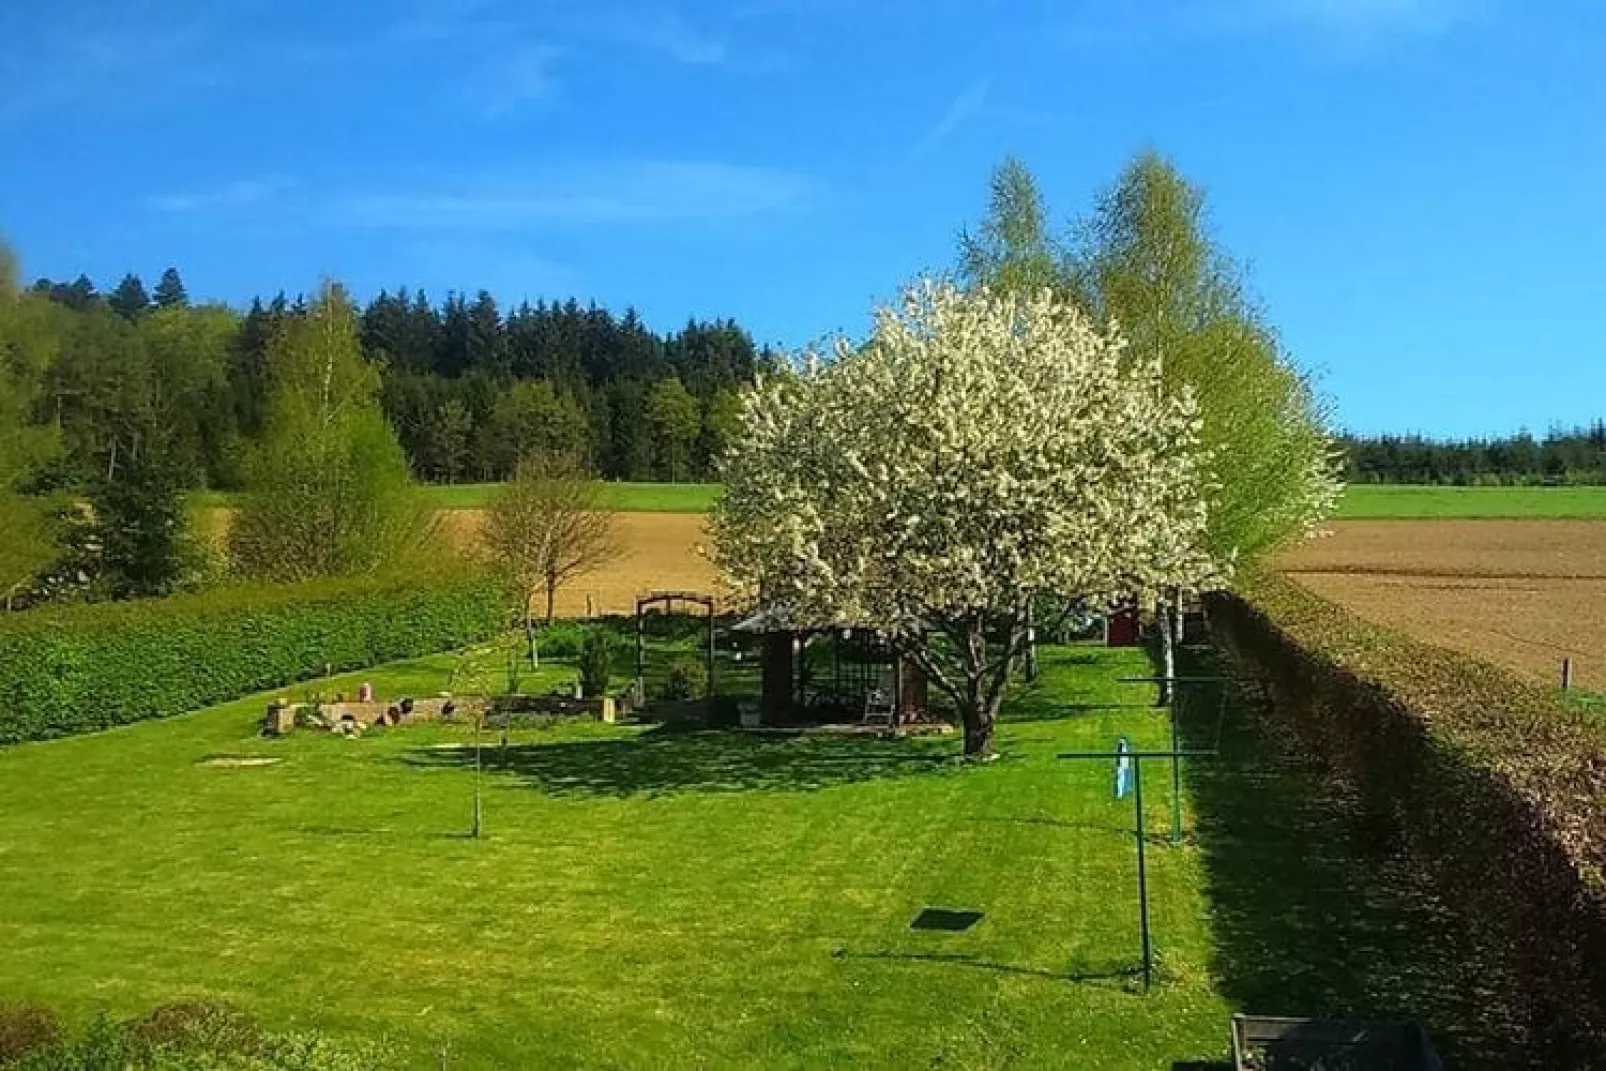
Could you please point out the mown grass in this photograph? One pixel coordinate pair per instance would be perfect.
(641, 897)
(619, 497)
(1375, 502)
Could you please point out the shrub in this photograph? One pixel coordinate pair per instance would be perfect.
(565, 640)
(687, 678)
(26, 1028)
(85, 668)
(1495, 786)
(596, 663)
(194, 1026)
(187, 1036)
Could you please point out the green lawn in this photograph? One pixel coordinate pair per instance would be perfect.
(1370, 501)
(621, 497)
(643, 898)
(650, 898)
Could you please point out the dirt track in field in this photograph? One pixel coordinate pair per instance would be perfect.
(1524, 594)
(661, 552)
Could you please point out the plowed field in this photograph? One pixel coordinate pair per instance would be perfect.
(1525, 594)
(662, 552)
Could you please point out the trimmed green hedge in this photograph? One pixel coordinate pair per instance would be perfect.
(91, 667)
(1495, 786)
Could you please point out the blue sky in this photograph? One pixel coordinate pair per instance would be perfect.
(1418, 185)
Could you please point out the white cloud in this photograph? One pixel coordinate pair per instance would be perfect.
(242, 193)
(964, 107)
(652, 192)
(671, 35)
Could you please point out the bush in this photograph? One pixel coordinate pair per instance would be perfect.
(1495, 787)
(24, 1029)
(196, 1027)
(85, 668)
(198, 1036)
(596, 663)
(687, 678)
(563, 640)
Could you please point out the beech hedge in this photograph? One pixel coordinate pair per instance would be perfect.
(90, 667)
(1497, 787)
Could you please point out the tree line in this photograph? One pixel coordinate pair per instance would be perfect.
(1577, 456)
(469, 387)
(322, 412)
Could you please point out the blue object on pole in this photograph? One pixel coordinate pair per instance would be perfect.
(1123, 769)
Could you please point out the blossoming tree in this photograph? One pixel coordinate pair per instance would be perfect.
(979, 450)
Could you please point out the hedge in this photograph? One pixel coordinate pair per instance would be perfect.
(1497, 787)
(90, 667)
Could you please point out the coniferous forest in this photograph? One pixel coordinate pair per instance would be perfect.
(469, 386)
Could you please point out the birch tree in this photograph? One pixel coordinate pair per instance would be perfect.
(329, 490)
(980, 448)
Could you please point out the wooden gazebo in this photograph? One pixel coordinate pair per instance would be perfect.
(864, 678)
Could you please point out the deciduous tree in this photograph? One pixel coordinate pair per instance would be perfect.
(329, 489)
(546, 527)
(675, 419)
(978, 450)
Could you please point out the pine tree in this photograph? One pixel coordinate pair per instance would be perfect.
(129, 300)
(170, 292)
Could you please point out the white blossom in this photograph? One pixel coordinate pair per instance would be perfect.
(977, 450)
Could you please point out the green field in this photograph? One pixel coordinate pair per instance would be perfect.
(1360, 502)
(621, 497)
(1379, 502)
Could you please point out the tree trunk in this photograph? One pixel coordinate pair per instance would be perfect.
(980, 718)
(529, 639)
(551, 596)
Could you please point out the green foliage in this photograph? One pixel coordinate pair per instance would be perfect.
(530, 417)
(686, 678)
(186, 1036)
(330, 491)
(170, 292)
(675, 419)
(28, 546)
(565, 639)
(140, 519)
(26, 1028)
(1146, 259)
(1013, 250)
(596, 663)
(91, 667)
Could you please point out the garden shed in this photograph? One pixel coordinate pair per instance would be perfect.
(818, 672)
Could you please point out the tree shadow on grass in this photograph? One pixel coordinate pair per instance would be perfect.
(1316, 914)
(665, 761)
(1122, 974)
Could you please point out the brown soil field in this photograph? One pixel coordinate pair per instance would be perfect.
(1524, 594)
(661, 552)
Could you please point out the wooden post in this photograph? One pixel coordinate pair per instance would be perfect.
(1566, 674)
(778, 672)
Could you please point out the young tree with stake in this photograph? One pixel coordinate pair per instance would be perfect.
(978, 450)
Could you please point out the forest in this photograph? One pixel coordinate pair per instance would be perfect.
(1574, 457)
(468, 387)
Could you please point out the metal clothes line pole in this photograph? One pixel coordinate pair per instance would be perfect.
(1145, 932)
(1143, 875)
